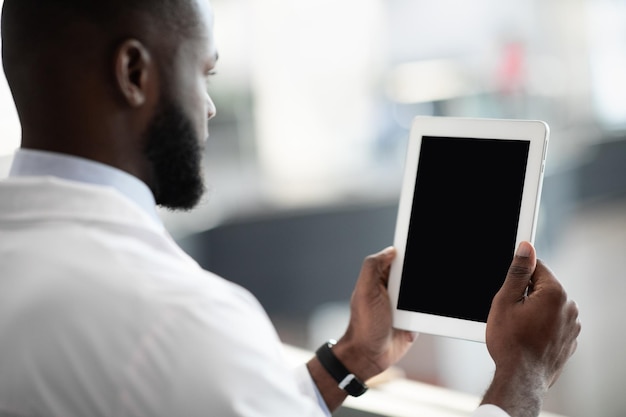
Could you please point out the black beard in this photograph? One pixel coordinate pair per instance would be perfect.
(174, 150)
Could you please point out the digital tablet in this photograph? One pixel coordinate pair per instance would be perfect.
(470, 194)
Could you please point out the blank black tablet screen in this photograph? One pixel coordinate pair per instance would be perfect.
(463, 225)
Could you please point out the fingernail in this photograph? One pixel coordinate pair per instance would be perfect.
(388, 250)
(523, 250)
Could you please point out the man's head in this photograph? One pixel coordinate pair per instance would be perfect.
(122, 82)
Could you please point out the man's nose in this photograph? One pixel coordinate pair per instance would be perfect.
(211, 107)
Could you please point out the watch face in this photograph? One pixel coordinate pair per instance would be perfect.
(355, 387)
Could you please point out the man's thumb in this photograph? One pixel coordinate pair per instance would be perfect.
(522, 268)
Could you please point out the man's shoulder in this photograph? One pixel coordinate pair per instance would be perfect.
(45, 198)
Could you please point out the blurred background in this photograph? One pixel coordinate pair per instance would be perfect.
(304, 163)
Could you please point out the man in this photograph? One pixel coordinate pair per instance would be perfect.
(102, 314)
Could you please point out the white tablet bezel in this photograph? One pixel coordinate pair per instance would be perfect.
(535, 131)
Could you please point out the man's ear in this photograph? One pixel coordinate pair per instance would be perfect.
(133, 71)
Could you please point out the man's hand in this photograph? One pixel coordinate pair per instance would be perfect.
(531, 333)
(370, 344)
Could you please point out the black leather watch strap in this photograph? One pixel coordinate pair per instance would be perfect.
(347, 381)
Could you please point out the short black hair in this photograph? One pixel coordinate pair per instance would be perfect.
(43, 18)
(35, 32)
(31, 22)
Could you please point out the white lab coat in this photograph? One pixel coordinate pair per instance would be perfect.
(102, 314)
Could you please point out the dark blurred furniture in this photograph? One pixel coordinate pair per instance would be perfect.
(296, 260)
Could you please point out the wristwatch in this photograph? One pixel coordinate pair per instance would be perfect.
(347, 380)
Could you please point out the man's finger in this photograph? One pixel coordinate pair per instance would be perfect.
(521, 270)
(375, 265)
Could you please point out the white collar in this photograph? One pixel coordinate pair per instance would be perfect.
(29, 162)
